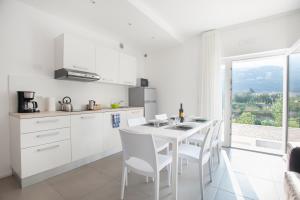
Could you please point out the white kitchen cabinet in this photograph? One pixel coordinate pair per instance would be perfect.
(111, 136)
(44, 123)
(44, 157)
(131, 114)
(86, 131)
(107, 64)
(74, 53)
(39, 144)
(127, 70)
(42, 143)
(44, 137)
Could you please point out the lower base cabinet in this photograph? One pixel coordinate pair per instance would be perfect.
(44, 157)
(86, 131)
(40, 144)
(110, 135)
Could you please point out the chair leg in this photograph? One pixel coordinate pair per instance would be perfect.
(180, 165)
(169, 174)
(123, 182)
(201, 180)
(156, 187)
(210, 170)
(218, 153)
(126, 178)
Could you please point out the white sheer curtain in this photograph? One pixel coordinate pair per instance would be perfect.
(210, 90)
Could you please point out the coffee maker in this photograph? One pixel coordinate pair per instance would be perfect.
(26, 103)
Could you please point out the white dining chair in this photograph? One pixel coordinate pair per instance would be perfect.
(140, 157)
(161, 117)
(198, 139)
(199, 154)
(160, 143)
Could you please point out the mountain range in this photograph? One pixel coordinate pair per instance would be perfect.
(264, 79)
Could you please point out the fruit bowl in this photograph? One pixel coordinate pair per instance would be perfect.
(115, 105)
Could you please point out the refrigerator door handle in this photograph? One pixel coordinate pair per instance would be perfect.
(150, 101)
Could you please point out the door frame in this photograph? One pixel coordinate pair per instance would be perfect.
(227, 61)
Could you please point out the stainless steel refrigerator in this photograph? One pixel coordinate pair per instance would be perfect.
(144, 97)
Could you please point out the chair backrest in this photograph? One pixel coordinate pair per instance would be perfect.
(141, 146)
(161, 116)
(206, 145)
(136, 121)
(216, 134)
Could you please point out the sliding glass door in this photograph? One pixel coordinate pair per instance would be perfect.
(294, 98)
(257, 104)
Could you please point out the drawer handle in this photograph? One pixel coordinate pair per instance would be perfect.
(47, 135)
(87, 117)
(48, 148)
(47, 121)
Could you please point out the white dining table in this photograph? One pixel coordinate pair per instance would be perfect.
(175, 137)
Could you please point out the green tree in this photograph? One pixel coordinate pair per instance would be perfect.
(277, 111)
(246, 118)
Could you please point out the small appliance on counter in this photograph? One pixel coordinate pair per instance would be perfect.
(66, 104)
(91, 105)
(26, 103)
(142, 82)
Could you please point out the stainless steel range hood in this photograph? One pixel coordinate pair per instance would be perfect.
(76, 75)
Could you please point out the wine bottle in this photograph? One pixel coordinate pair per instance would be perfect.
(181, 113)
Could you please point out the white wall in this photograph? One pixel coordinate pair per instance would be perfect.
(267, 34)
(174, 73)
(27, 50)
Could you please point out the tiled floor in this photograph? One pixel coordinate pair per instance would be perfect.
(240, 175)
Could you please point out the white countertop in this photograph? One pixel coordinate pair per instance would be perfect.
(62, 113)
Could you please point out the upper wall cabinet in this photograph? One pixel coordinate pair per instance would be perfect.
(107, 64)
(74, 53)
(127, 70)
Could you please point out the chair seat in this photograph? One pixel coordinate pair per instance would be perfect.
(192, 152)
(161, 144)
(140, 166)
(197, 138)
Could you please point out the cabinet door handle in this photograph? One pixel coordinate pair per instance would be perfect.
(47, 121)
(47, 135)
(135, 112)
(48, 148)
(87, 117)
(82, 68)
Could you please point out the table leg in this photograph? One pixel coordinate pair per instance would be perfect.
(175, 170)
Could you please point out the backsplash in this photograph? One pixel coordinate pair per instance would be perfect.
(80, 92)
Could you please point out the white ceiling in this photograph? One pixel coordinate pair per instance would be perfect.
(191, 17)
(159, 23)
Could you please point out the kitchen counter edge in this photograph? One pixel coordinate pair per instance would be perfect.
(62, 113)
